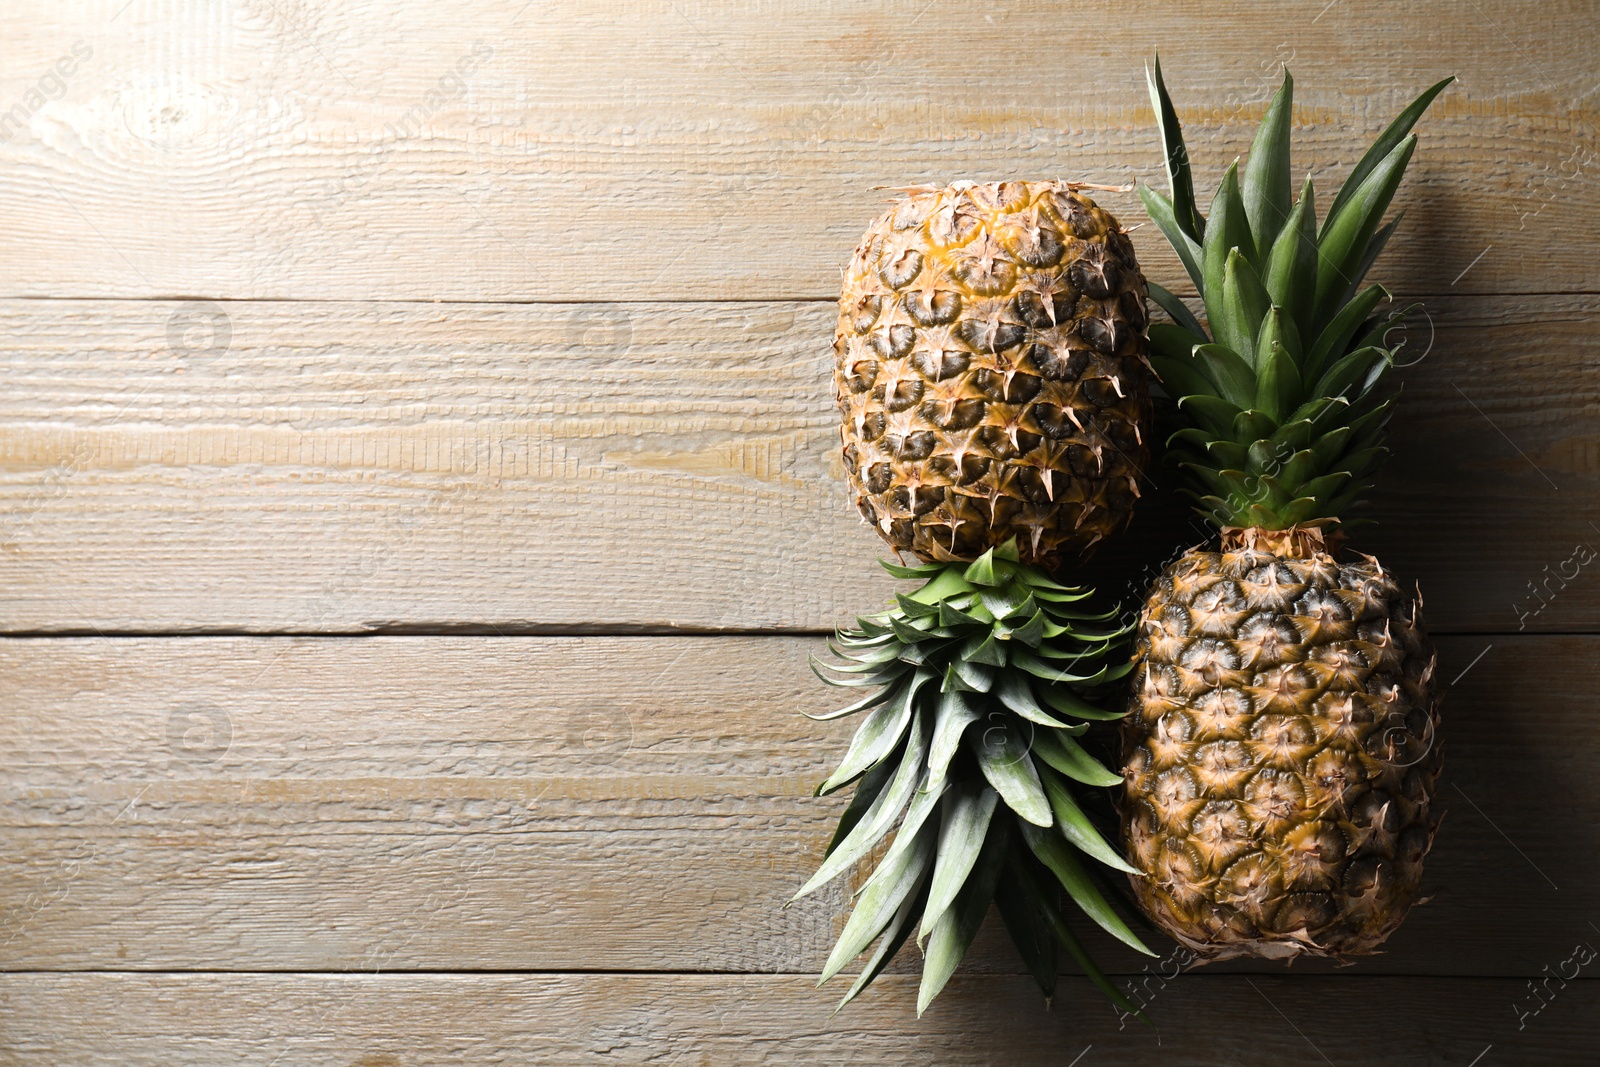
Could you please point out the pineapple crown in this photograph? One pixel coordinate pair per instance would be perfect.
(980, 683)
(1284, 397)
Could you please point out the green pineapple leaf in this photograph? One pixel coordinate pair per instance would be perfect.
(1278, 328)
(1076, 827)
(955, 713)
(1334, 340)
(920, 571)
(872, 700)
(1213, 412)
(1179, 177)
(1345, 236)
(1391, 136)
(1244, 304)
(1160, 211)
(1253, 425)
(1228, 372)
(959, 924)
(1064, 700)
(1291, 271)
(1351, 371)
(868, 789)
(1279, 388)
(1181, 315)
(984, 571)
(1002, 753)
(1065, 755)
(1180, 377)
(1054, 852)
(876, 822)
(1377, 335)
(1173, 341)
(1375, 247)
(1029, 874)
(896, 879)
(1017, 695)
(894, 936)
(874, 739)
(1266, 172)
(1227, 230)
(963, 827)
(1029, 931)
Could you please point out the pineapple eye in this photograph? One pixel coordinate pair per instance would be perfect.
(1075, 213)
(953, 415)
(1014, 388)
(1132, 306)
(964, 470)
(1006, 196)
(866, 313)
(898, 271)
(912, 212)
(1035, 244)
(940, 365)
(1056, 422)
(954, 223)
(1032, 309)
(1095, 273)
(1059, 365)
(994, 337)
(863, 372)
(894, 343)
(986, 269)
(1101, 392)
(915, 499)
(902, 393)
(1105, 331)
(1124, 435)
(912, 447)
(932, 309)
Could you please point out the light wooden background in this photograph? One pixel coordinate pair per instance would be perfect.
(417, 501)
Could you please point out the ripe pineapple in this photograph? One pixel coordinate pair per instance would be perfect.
(990, 370)
(1280, 759)
(992, 379)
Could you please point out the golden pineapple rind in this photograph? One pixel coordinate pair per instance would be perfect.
(990, 372)
(1280, 754)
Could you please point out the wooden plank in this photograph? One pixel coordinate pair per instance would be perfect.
(389, 1020)
(631, 804)
(360, 466)
(501, 150)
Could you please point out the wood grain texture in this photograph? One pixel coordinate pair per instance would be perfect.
(497, 150)
(707, 1021)
(521, 323)
(630, 804)
(359, 466)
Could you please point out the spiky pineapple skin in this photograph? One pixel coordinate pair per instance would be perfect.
(1280, 755)
(990, 372)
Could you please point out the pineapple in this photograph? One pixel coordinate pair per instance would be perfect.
(990, 371)
(993, 386)
(1280, 760)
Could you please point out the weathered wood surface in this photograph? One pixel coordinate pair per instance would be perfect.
(521, 324)
(501, 150)
(356, 466)
(391, 1020)
(630, 804)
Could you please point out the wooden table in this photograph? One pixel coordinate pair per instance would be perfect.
(418, 498)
